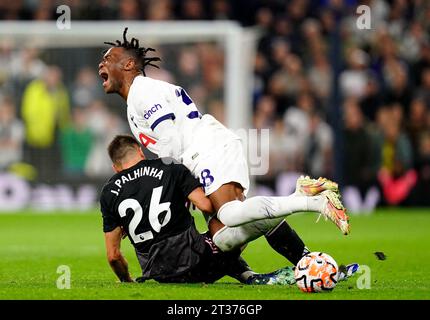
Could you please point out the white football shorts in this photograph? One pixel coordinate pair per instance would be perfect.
(216, 156)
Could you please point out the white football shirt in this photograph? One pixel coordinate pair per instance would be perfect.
(151, 102)
(207, 148)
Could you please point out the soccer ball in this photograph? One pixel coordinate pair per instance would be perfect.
(316, 272)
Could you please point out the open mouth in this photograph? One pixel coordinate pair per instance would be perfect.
(104, 75)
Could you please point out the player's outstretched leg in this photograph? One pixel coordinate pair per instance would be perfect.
(230, 238)
(236, 212)
(280, 236)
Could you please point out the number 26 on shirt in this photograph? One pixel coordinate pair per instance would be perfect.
(155, 209)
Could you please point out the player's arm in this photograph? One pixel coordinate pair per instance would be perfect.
(160, 116)
(115, 258)
(192, 189)
(169, 142)
(198, 198)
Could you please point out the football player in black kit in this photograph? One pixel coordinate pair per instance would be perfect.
(145, 200)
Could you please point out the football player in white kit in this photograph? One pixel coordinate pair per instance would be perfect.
(166, 121)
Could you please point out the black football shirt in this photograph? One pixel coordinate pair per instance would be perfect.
(148, 201)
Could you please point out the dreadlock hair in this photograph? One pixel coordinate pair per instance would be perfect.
(138, 52)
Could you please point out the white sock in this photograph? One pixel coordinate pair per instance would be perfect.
(230, 238)
(235, 213)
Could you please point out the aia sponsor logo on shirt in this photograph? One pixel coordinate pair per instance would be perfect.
(151, 111)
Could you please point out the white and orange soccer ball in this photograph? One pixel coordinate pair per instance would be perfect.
(316, 272)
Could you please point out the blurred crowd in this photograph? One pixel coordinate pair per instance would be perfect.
(341, 102)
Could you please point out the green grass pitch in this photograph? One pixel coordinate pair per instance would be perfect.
(33, 245)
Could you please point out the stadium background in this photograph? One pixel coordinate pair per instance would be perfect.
(348, 104)
(340, 102)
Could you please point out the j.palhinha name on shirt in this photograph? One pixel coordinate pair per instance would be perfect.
(135, 174)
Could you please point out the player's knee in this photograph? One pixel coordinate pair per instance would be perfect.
(226, 240)
(230, 214)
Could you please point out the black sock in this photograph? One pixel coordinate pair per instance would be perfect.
(284, 240)
(240, 270)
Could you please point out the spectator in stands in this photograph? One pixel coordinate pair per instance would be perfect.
(213, 75)
(25, 66)
(221, 10)
(297, 128)
(423, 63)
(158, 10)
(411, 43)
(422, 190)
(293, 72)
(318, 155)
(396, 175)
(359, 168)
(315, 45)
(265, 113)
(6, 54)
(13, 10)
(261, 75)
(264, 119)
(192, 10)
(45, 10)
(217, 109)
(130, 10)
(86, 88)
(286, 153)
(96, 10)
(372, 99)
(11, 134)
(354, 79)
(76, 141)
(278, 155)
(423, 91)
(276, 87)
(103, 125)
(320, 77)
(396, 79)
(416, 124)
(45, 108)
(189, 67)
